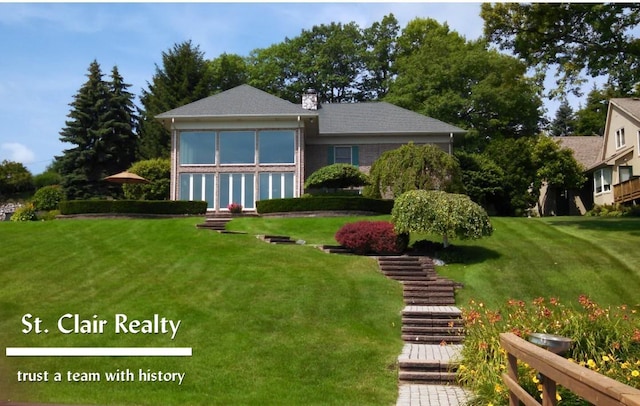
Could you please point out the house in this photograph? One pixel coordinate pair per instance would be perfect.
(561, 202)
(614, 181)
(245, 145)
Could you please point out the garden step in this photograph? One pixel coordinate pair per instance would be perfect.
(444, 301)
(432, 339)
(336, 249)
(278, 239)
(426, 377)
(214, 223)
(433, 311)
(430, 292)
(435, 330)
(409, 289)
(427, 322)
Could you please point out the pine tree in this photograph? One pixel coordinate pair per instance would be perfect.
(101, 126)
(565, 122)
(184, 78)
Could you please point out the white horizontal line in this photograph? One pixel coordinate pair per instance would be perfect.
(98, 352)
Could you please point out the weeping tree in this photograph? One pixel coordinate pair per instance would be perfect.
(412, 167)
(435, 212)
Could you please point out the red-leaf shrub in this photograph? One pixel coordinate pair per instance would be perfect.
(371, 236)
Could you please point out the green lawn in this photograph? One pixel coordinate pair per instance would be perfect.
(267, 324)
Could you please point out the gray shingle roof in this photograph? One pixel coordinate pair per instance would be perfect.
(377, 118)
(337, 118)
(243, 100)
(586, 149)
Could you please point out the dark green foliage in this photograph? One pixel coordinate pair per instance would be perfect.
(101, 129)
(598, 38)
(228, 71)
(336, 176)
(47, 178)
(184, 77)
(364, 237)
(442, 75)
(14, 178)
(147, 207)
(48, 197)
(157, 172)
(483, 179)
(556, 166)
(590, 120)
(564, 122)
(412, 167)
(325, 203)
(381, 42)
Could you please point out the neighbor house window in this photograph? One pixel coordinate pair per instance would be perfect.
(237, 147)
(237, 188)
(343, 155)
(276, 185)
(276, 147)
(625, 173)
(602, 180)
(197, 148)
(197, 186)
(620, 138)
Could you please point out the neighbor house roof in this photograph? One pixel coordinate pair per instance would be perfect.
(586, 149)
(377, 118)
(241, 101)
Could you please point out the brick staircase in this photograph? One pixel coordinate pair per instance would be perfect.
(432, 326)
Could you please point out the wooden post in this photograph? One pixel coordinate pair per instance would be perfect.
(512, 371)
(548, 391)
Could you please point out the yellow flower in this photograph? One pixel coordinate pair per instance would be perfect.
(558, 397)
(624, 365)
(535, 379)
(591, 363)
(635, 373)
(497, 388)
(606, 358)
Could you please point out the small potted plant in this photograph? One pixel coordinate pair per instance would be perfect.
(235, 208)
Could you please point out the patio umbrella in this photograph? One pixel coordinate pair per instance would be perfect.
(126, 177)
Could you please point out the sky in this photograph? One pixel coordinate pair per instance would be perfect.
(46, 50)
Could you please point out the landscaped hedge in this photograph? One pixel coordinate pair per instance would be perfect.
(371, 237)
(132, 207)
(325, 203)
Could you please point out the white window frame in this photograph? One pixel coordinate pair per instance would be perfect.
(600, 181)
(620, 141)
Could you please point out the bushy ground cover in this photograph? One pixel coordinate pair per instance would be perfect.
(267, 324)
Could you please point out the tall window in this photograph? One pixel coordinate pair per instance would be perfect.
(197, 148)
(620, 138)
(625, 173)
(276, 185)
(602, 180)
(237, 188)
(197, 186)
(237, 147)
(276, 147)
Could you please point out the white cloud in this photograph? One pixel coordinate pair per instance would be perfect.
(16, 152)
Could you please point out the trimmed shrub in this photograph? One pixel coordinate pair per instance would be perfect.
(157, 171)
(325, 203)
(25, 213)
(48, 197)
(336, 176)
(365, 237)
(47, 178)
(133, 207)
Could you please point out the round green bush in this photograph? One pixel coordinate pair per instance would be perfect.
(157, 172)
(48, 197)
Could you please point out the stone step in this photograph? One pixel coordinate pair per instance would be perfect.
(441, 329)
(432, 339)
(426, 377)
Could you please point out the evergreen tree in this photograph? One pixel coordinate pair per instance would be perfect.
(101, 127)
(564, 123)
(81, 167)
(122, 121)
(590, 119)
(183, 78)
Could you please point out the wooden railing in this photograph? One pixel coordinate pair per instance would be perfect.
(627, 191)
(554, 369)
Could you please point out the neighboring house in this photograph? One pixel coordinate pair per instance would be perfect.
(245, 145)
(561, 202)
(615, 175)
